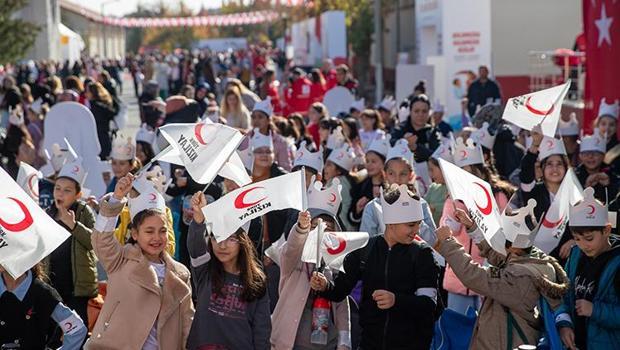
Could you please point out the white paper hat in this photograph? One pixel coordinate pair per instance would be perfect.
(74, 170)
(303, 157)
(467, 153)
(569, 128)
(123, 148)
(343, 157)
(387, 104)
(145, 134)
(403, 114)
(611, 110)
(335, 139)
(380, 146)
(593, 143)
(444, 151)
(483, 137)
(246, 155)
(550, 146)
(437, 107)
(259, 140)
(405, 209)
(326, 199)
(152, 179)
(37, 106)
(358, 105)
(589, 212)
(59, 156)
(264, 106)
(147, 200)
(517, 229)
(400, 151)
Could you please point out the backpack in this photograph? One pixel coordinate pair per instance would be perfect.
(365, 253)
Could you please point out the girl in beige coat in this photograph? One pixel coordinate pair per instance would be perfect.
(148, 305)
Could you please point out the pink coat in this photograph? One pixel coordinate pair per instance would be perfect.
(451, 283)
(294, 290)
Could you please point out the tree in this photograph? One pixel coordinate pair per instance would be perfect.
(17, 35)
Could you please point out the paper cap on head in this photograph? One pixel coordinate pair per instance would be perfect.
(400, 151)
(403, 114)
(343, 157)
(123, 148)
(406, 208)
(387, 104)
(519, 225)
(483, 137)
(147, 200)
(73, 170)
(593, 143)
(264, 106)
(358, 105)
(145, 134)
(335, 139)
(303, 157)
(324, 200)
(589, 212)
(151, 179)
(59, 156)
(550, 146)
(444, 150)
(569, 128)
(259, 140)
(609, 109)
(467, 153)
(380, 146)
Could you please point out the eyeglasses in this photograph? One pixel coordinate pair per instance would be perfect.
(230, 240)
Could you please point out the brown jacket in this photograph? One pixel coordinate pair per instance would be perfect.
(512, 283)
(135, 301)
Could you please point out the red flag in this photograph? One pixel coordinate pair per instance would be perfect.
(601, 22)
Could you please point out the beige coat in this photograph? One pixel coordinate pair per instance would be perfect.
(294, 290)
(135, 301)
(513, 282)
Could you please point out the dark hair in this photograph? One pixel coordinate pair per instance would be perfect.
(316, 76)
(419, 98)
(78, 187)
(330, 123)
(342, 68)
(39, 271)
(320, 109)
(139, 220)
(381, 156)
(421, 87)
(351, 123)
(371, 113)
(298, 121)
(581, 230)
(252, 277)
(392, 193)
(147, 148)
(286, 127)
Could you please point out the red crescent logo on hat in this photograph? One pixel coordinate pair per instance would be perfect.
(34, 188)
(551, 224)
(300, 154)
(340, 156)
(537, 111)
(592, 209)
(550, 144)
(198, 133)
(342, 244)
(486, 210)
(239, 201)
(68, 326)
(463, 154)
(22, 225)
(76, 169)
(332, 198)
(153, 196)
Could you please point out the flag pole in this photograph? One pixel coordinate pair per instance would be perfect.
(304, 194)
(557, 100)
(319, 238)
(156, 158)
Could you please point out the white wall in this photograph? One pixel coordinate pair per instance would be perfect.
(46, 14)
(528, 25)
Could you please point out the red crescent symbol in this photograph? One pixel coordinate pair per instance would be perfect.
(198, 133)
(340, 156)
(153, 196)
(551, 224)
(33, 189)
(69, 325)
(239, 201)
(301, 154)
(537, 111)
(22, 225)
(592, 209)
(463, 154)
(342, 244)
(332, 199)
(549, 144)
(76, 169)
(489, 206)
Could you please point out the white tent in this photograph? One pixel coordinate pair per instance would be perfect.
(71, 44)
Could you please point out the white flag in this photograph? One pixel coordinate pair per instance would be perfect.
(230, 212)
(479, 200)
(335, 247)
(544, 106)
(555, 220)
(422, 177)
(28, 179)
(202, 148)
(27, 233)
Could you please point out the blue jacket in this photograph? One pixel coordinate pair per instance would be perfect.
(604, 324)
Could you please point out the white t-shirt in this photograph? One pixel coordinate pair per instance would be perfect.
(151, 341)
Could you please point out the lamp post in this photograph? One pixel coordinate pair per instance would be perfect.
(105, 41)
(378, 51)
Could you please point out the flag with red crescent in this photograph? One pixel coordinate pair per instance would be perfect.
(527, 111)
(28, 179)
(27, 233)
(556, 218)
(334, 248)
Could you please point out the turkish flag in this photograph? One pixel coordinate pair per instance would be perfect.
(601, 22)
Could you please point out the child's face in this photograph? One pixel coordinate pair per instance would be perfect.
(607, 126)
(405, 233)
(368, 123)
(374, 164)
(120, 168)
(398, 172)
(554, 169)
(226, 251)
(152, 236)
(593, 243)
(435, 173)
(330, 171)
(591, 160)
(65, 193)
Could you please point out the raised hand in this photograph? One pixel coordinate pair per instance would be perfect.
(303, 220)
(198, 202)
(123, 186)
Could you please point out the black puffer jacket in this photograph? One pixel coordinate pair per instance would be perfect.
(402, 270)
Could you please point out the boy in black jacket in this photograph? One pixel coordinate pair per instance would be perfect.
(400, 279)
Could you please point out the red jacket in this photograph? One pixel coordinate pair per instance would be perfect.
(272, 91)
(317, 91)
(298, 96)
(330, 79)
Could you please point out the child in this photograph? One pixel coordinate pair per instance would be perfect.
(148, 303)
(233, 306)
(27, 304)
(292, 317)
(72, 266)
(512, 285)
(339, 165)
(145, 140)
(607, 121)
(124, 159)
(592, 172)
(589, 318)
(437, 191)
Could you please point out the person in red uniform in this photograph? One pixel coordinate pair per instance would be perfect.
(298, 96)
(318, 87)
(329, 73)
(345, 79)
